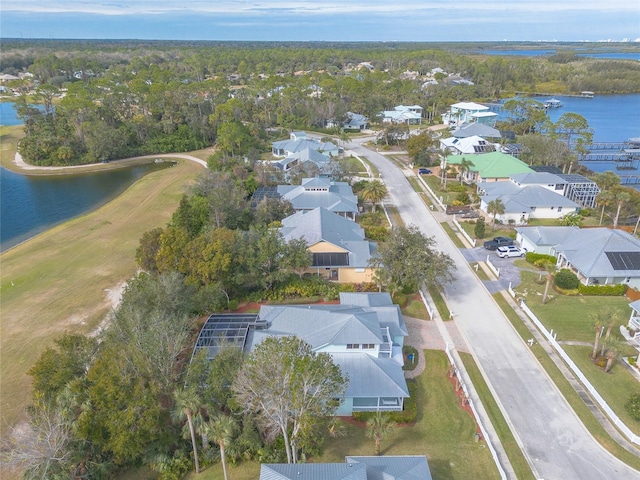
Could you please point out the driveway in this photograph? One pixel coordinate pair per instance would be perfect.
(554, 440)
(509, 273)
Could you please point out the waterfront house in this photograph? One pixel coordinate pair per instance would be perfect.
(468, 112)
(467, 145)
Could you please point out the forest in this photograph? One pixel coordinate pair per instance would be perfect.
(98, 101)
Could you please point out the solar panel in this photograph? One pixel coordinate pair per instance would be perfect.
(624, 260)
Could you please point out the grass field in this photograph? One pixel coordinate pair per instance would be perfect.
(444, 433)
(59, 281)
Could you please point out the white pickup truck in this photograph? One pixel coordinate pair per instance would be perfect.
(510, 251)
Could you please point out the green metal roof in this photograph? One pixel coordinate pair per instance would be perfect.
(492, 165)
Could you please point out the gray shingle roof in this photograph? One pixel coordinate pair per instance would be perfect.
(537, 178)
(479, 129)
(522, 199)
(389, 314)
(546, 236)
(401, 467)
(338, 198)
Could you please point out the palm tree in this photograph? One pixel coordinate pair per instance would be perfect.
(597, 325)
(550, 268)
(187, 405)
(620, 197)
(613, 350)
(604, 199)
(465, 166)
(221, 429)
(378, 427)
(374, 192)
(495, 208)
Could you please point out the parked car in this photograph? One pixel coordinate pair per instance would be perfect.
(511, 251)
(424, 171)
(498, 242)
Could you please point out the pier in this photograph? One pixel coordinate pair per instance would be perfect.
(576, 95)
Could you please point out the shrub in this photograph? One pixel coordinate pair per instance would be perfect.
(539, 259)
(633, 406)
(603, 290)
(464, 198)
(376, 233)
(601, 362)
(566, 279)
(400, 299)
(480, 228)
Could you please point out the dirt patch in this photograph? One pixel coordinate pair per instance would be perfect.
(462, 402)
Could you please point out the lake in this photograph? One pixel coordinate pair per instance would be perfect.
(549, 52)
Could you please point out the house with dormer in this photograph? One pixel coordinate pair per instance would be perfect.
(408, 114)
(468, 112)
(338, 245)
(321, 191)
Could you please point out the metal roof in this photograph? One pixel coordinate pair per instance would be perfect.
(371, 377)
(313, 471)
(400, 467)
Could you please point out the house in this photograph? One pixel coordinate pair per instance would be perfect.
(400, 467)
(305, 156)
(466, 146)
(596, 255)
(577, 187)
(476, 129)
(355, 121)
(337, 197)
(488, 167)
(468, 112)
(524, 202)
(298, 141)
(340, 251)
(409, 114)
(364, 341)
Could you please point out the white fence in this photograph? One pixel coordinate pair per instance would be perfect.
(433, 195)
(472, 241)
(493, 268)
(428, 305)
(494, 454)
(587, 384)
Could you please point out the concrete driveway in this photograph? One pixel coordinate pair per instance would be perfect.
(556, 443)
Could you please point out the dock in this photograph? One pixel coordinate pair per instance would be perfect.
(555, 94)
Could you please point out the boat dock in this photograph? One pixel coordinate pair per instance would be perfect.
(555, 94)
(624, 156)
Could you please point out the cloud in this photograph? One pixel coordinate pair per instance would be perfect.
(309, 8)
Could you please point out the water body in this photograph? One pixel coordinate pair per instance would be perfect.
(32, 204)
(8, 115)
(549, 52)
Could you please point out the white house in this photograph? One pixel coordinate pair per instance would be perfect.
(337, 197)
(409, 114)
(467, 146)
(468, 112)
(597, 255)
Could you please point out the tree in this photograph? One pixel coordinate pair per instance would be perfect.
(604, 198)
(613, 351)
(297, 257)
(574, 130)
(550, 268)
(408, 259)
(479, 230)
(290, 387)
(632, 406)
(573, 219)
(597, 326)
(187, 405)
(221, 429)
(418, 148)
(374, 191)
(525, 115)
(464, 167)
(379, 426)
(495, 208)
(148, 250)
(620, 197)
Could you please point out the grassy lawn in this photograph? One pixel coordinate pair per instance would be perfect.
(567, 390)
(441, 305)
(9, 137)
(452, 235)
(508, 441)
(415, 308)
(569, 315)
(614, 386)
(444, 433)
(59, 281)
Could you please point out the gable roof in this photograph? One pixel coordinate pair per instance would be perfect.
(401, 467)
(370, 376)
(320, 224)
(492, 165)
(313, 471)
(319, 326)
(589, 250)
(537, 178)
(468, 145)
(476, 129)
(517, 199)
(320, 192)
(389, 314)
(546, 236)
(469, 106)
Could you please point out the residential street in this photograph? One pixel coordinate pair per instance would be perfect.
(557, 444)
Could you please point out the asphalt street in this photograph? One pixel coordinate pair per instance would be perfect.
(558, 446)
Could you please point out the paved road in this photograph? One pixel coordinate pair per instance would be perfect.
(557, 444)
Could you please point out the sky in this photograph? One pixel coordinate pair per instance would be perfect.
(324, 20)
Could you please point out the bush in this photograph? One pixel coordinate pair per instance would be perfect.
(376, 233)
(603, 290)
(539, 259)
(400, 299)
(480, 228)
(566, 280)
(464, 198)
(633, 406)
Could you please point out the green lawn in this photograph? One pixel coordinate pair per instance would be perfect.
(415, 308)
(614, 386)
(444, 433)
(452, 235)
(569, 315)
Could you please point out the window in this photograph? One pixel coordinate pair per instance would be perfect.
(353, 346)
(335, 259)
(559, 209)
(368, 346)
(533, 209)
